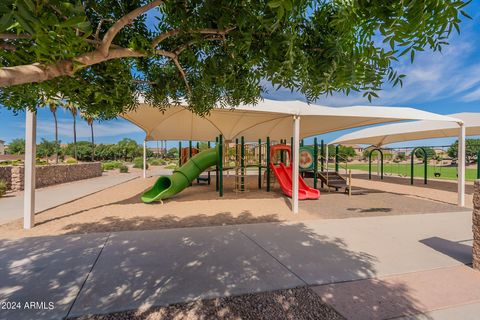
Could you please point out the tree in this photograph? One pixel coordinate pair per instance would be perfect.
(431, 154)
(90, 119)
(46, 149)
(172, 153)
(472, 147)
(101, 54)
(73, 110)
(81, 149)
(53, 105)
(129, 149)
(16, 146)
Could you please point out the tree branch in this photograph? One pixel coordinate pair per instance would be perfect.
(174, 32)
(122, 22)
(13, 36)
(7, 46)
(183, 74)
(38, 72)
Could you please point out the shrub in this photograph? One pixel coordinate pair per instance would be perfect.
(3, 188)
(70, 161)
(171, 166)
(157, 162)
(111, 165)
(138, 163)
(123, 168)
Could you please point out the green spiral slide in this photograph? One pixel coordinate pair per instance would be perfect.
(167, 186)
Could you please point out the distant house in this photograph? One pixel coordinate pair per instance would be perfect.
(358, 149)
(2, 147)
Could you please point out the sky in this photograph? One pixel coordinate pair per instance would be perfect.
(444, 83)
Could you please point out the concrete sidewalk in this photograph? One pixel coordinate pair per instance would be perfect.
(103, 273)
(11, 207)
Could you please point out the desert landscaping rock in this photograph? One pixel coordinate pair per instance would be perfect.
(295, 304)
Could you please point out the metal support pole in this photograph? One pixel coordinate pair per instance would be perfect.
(268, 164)
(259, 163)
(315, 162)
(301, 143)
(411, 166)
(425, 166)
(370, 165)
(337, 149)
(179, 153)
(242, 164)
(216, 166)
(461, 166)
(478, 165)
(295, 162)
(189, 149)
(322, 158)
(29, 173)
(220, 166)
(144, 159)
(208, 173)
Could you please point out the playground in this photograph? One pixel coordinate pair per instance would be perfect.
(120, 208)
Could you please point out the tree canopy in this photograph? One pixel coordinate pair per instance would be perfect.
(103, 54)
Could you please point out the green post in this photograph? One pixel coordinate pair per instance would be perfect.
(220, 166)
(322, 160)
(370, 165)
(411, 166)
(208, 173)
(281, 151)
(301, 143)
(315, 162)
(242, 164)
(268, 164)
(478, 165)
(179, 154)
(337, 149)
(259, 163)
(425, 166)
(190, 152)
(216, 167)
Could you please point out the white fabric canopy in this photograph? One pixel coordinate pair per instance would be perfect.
(413, 130)
(269, 118)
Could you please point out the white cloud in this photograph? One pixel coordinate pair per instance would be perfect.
(472, 96)
(432, 77)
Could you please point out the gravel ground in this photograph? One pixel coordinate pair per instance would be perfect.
(294, 304)
(119, 208)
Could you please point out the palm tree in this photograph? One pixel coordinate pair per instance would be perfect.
(53, 105)
(73, 110)
(90, 119)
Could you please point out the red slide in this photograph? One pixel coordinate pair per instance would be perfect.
(284, 177)
(285, 180)
(302, 185)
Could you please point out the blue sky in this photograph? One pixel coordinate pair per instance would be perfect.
(447, 82)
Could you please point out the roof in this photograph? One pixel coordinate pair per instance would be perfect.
(413, 130)
(269, 118)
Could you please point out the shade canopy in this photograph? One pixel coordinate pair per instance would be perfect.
(413, 130)
(268, 118)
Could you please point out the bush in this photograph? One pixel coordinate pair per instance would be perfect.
(111, 165)
(123, 168)
(70, 161)
(171, 166)
(138, 163)
(3, 188)
(157, 162)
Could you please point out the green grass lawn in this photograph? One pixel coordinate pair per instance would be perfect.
(448, 173)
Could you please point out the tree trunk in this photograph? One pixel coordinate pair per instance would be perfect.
(75, 138)
(56, 136)
(93, 142)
